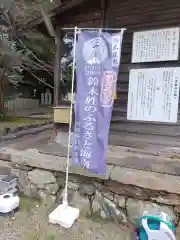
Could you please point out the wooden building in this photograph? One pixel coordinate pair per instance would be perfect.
(135, 16)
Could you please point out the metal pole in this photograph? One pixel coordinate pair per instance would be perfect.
(103, 29)
(65, 200)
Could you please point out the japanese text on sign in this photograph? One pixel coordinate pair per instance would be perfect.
(153, 94)
(156, 45)
(90, 108)
(116, 50)
(108, 88)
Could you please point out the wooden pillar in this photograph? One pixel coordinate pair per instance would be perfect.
(57, 75)
(104, 13)
(57, 70)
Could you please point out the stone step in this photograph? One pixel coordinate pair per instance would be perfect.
(123, 175)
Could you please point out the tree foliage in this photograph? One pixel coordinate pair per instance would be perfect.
(22, 50)
(27, 50)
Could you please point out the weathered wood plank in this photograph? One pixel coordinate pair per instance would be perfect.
(142, 140)
(146, 163)
(150, 129)
(141, 15)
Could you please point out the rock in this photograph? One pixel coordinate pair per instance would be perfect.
(4, 155)
(74, 186)
(178, 232)
(3, 131)
(135, 209)
(41, 177)
(81, 203)
(127, 190)
(60, 179)
(21, 166)
(110, 211)
(87, 190)
(52, 188)
(104, 215)
(47, 199)
(24, 184)
(169, 199)
(60, 195)
(77, 201)
(146, 180)
(96, 206)
(17, 158)
(54, 163)
(177, 209)
(77, 179)
(109, 195)
(5, 167)
(120, 201)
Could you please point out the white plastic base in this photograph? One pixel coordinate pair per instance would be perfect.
(64, 215)
(8, 203)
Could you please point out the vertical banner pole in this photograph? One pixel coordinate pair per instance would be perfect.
(65, 200)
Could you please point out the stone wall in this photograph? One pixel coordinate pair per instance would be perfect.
(43, 177)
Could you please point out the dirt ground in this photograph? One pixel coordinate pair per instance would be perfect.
(30, 222)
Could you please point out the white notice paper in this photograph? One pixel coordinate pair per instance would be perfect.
(156, 45)
(153, 94)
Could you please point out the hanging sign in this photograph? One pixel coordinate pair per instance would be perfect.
(97, 67)
(153, 94)
(156, 45)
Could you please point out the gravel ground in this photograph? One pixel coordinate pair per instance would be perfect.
(30, 223)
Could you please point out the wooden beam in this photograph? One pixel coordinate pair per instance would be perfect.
(62, 8)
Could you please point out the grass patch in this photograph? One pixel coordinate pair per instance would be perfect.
(9, 123)
(39, 235)
(20, 121)
(34, 235)
(28, 204)
(96, 217)
(51, 237)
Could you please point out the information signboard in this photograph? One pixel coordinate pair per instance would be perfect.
(156, 45)
(153, 94)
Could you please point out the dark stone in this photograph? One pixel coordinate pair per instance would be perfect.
(126, 190)
(22, 131)
(87, 190)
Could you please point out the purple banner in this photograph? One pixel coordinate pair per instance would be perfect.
(97, 67)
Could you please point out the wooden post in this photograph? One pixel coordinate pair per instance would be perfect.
(56, 76)
(57, 71)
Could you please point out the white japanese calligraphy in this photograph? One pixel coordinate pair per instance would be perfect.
(91, 100)
(93, 81)
(85, 163)
(90, 108)
(116, 50)
(85, 153)
(89, 118)
(93, 91)
(88, 135)
(89, 126)
(87, 144)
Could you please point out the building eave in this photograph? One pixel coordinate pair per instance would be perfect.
(56, 11)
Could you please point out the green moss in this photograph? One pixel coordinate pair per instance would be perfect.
(28, 204)
(51, 237)
(13, 122)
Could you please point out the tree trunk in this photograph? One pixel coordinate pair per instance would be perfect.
(1, 92)
(1, 99)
